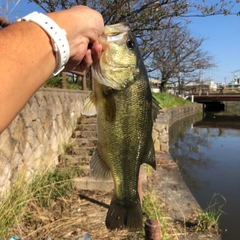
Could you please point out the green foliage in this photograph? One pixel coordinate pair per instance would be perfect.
(73, 86)
(54, 82)
(168, 100)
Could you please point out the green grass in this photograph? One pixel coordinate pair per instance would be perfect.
(12, 207)
(151, 209)
(167, 100)
(207, 220)
(52, 185)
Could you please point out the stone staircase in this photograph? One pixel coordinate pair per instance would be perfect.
(85, 138)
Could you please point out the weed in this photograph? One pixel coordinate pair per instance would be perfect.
(151, 209)
(24, 201)
(207, 220)
(52, 185)
(69, 146)
(12, 206)
(67, 149)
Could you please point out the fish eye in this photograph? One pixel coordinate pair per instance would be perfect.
(130, 44)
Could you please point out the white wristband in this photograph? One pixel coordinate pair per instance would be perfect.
(58, 38)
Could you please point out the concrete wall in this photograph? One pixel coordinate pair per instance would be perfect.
(165, 119)
(34, 139)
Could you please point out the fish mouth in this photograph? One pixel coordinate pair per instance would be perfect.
(112, 33)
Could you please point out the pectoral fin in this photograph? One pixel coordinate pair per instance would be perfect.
(98, 167)
(89, 107)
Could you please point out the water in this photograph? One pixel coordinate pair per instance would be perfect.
(208, 155)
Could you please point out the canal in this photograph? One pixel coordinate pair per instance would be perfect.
(207, 151)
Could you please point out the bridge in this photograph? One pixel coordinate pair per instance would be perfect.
(214, 102)
(215, 98)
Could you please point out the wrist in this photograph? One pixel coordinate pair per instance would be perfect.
(57, 35)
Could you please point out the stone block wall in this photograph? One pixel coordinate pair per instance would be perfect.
(165, 119)
(34, 140)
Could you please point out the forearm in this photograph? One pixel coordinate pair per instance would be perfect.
(26, 61)
(27, 58)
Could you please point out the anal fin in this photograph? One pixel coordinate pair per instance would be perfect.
(98, 167)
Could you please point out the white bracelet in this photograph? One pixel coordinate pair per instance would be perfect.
(58, 38)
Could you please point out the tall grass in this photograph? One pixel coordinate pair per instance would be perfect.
(152, 210)
(43, 190)
(207, 220)
(13, 205)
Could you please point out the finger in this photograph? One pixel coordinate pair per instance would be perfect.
(82, 65)
(87, 61)
(96, 51)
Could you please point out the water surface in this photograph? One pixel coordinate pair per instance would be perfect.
(208, 155)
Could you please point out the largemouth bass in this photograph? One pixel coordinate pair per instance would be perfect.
(122, 100)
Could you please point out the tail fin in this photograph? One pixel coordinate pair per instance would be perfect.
(124, 214)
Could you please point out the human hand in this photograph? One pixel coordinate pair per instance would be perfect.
(83, 26)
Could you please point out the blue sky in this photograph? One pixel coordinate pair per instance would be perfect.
(222, 34)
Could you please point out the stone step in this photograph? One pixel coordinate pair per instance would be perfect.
(83, 151)
(88, 183)
(82, 159)
(84, 134)
(83, 142)
(87, 127)
(79, 162)
(87, 120)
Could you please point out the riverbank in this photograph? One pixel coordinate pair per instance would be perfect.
(84, 213)
(177, 203)
(181, 206)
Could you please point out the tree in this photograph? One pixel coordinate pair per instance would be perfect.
(178, 55)
(147, 18)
